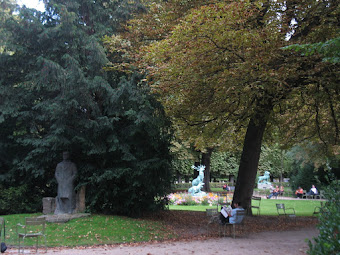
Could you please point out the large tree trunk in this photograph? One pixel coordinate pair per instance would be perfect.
(250, 158)
(206, 157)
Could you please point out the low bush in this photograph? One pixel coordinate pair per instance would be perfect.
(15, 200)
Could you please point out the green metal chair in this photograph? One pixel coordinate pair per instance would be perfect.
(240, 215)
(283, 211)
(34, 228)
(255, 203)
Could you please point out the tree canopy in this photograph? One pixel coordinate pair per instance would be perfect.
(224, 65)
(56, 96)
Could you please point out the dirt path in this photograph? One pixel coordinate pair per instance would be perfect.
(290, 242)
(262, 235)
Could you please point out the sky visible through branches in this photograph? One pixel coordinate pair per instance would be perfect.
(36, 4)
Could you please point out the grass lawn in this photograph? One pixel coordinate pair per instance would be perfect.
(268, 206)
(96, 229)
(110, 229)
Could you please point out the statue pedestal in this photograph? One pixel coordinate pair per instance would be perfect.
(264, 185)
(80, 200)
(48, 205)
(200, 194)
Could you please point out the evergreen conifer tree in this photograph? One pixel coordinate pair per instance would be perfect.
(57, 97)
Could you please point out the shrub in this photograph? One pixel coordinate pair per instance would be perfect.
(304, 178)
(328, 240)
(14, 200)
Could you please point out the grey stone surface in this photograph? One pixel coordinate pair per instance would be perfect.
(264, 186)
(48, 205)
(80, 200)
(62, 218)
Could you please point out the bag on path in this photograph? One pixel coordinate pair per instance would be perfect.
(3, 246)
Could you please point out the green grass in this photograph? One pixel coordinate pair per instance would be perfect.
(268, 206)
(302, 207)
(105, 229)
(96, 229)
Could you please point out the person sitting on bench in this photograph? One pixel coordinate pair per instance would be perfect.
(299, 192)
(275, 192)
(313, 191)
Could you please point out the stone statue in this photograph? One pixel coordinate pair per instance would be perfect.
(65, 174)
(197, 183)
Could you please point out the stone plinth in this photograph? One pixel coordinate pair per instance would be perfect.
(48, 205)
(62, 218)
(80, 200)
(263, 186)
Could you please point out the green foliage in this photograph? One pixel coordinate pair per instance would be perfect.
(222, 69)
(305, 177)
(329, 224)
(17, 199)
(307, 169)
(181, 186)
(330, 50)
(57, 97)
(134, 175)
(224, 164)
(274, 160)
(182, 167)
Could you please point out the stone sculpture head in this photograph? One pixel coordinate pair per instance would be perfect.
(66, 155)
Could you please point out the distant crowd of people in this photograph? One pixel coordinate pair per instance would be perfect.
(299, 192)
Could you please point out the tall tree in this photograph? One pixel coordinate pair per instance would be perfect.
(155, 25)
(224, 63)
(58, 97)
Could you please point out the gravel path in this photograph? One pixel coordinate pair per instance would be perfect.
(290, 242)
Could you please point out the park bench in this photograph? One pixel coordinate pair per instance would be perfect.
(307, 196)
